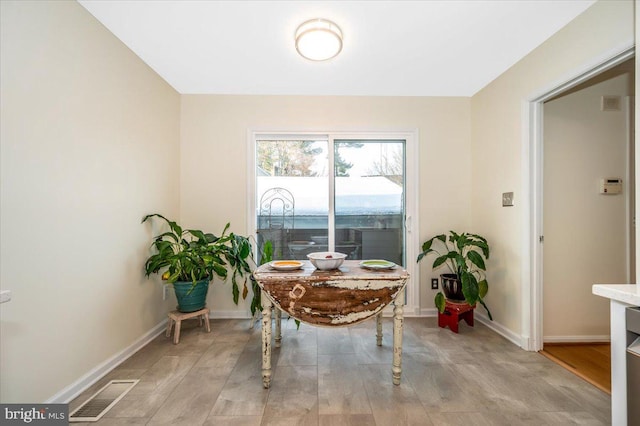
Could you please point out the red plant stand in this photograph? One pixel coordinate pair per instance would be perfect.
(453, 313)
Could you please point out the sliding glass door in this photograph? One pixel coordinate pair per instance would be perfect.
(369, 207)
(321, 193)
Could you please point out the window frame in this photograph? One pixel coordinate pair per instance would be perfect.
(411, 222)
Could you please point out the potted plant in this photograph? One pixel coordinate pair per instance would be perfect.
(189, 259)
(464, 254)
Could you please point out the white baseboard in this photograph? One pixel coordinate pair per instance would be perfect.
(428, 312)
(80, 385)
(577, 339)
(529, 344)
(514, 338)
(215, 314)
(409, 311)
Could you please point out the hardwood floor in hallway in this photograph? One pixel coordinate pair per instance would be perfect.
(339, 376)
(591, 361)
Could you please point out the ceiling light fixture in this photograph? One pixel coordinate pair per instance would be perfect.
(318, 39)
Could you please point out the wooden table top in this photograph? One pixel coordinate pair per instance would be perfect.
(332, 298)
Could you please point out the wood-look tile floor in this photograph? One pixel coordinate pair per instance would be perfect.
(334, 377)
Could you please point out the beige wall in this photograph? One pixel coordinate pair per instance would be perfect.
(498, 155)
(585, 232)
(89, 144)
(213, 182)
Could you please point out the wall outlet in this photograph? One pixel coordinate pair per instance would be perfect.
(165, 291)
(434, 283)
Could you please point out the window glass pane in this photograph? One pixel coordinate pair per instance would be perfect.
(369, 199)
(292, 194)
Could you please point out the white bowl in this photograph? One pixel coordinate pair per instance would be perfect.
(326, 260)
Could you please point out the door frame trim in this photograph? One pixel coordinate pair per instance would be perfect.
(412, 202)
(532, 185)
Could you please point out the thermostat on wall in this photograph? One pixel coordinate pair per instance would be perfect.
(611, 186)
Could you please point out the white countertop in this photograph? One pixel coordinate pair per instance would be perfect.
(626, 293)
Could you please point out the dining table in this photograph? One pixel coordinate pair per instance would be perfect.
(355, 292)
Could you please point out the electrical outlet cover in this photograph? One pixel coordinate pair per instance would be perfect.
(507, 199)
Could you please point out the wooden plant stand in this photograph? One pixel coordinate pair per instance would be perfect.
(176, 317)
(453, 313)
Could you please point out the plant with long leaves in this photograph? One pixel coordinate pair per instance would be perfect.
(266, 257)
(464, 254)
(192, 255)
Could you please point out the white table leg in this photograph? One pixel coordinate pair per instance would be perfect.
(398, 320)
(278, 327)
(379, 329)
(266, 341)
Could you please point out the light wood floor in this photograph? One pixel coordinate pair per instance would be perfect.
(591, 361)
(339, 376)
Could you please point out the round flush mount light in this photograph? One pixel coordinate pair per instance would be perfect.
(318, 39)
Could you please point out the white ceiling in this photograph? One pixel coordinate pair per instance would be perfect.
(391, 48)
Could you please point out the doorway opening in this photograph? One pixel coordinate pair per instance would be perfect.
(534, 236)
(581, 138)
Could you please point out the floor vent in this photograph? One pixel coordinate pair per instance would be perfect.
(95, 407)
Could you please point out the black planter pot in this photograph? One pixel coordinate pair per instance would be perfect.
(452, 287)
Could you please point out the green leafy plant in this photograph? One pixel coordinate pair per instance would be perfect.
(464, 254)
(192, 255)
(266, 257)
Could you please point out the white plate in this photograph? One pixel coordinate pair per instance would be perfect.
(377, 264)
(286, 265)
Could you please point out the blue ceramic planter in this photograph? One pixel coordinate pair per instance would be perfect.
(191, 298)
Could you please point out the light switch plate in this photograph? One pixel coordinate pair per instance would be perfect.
(507, 199)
